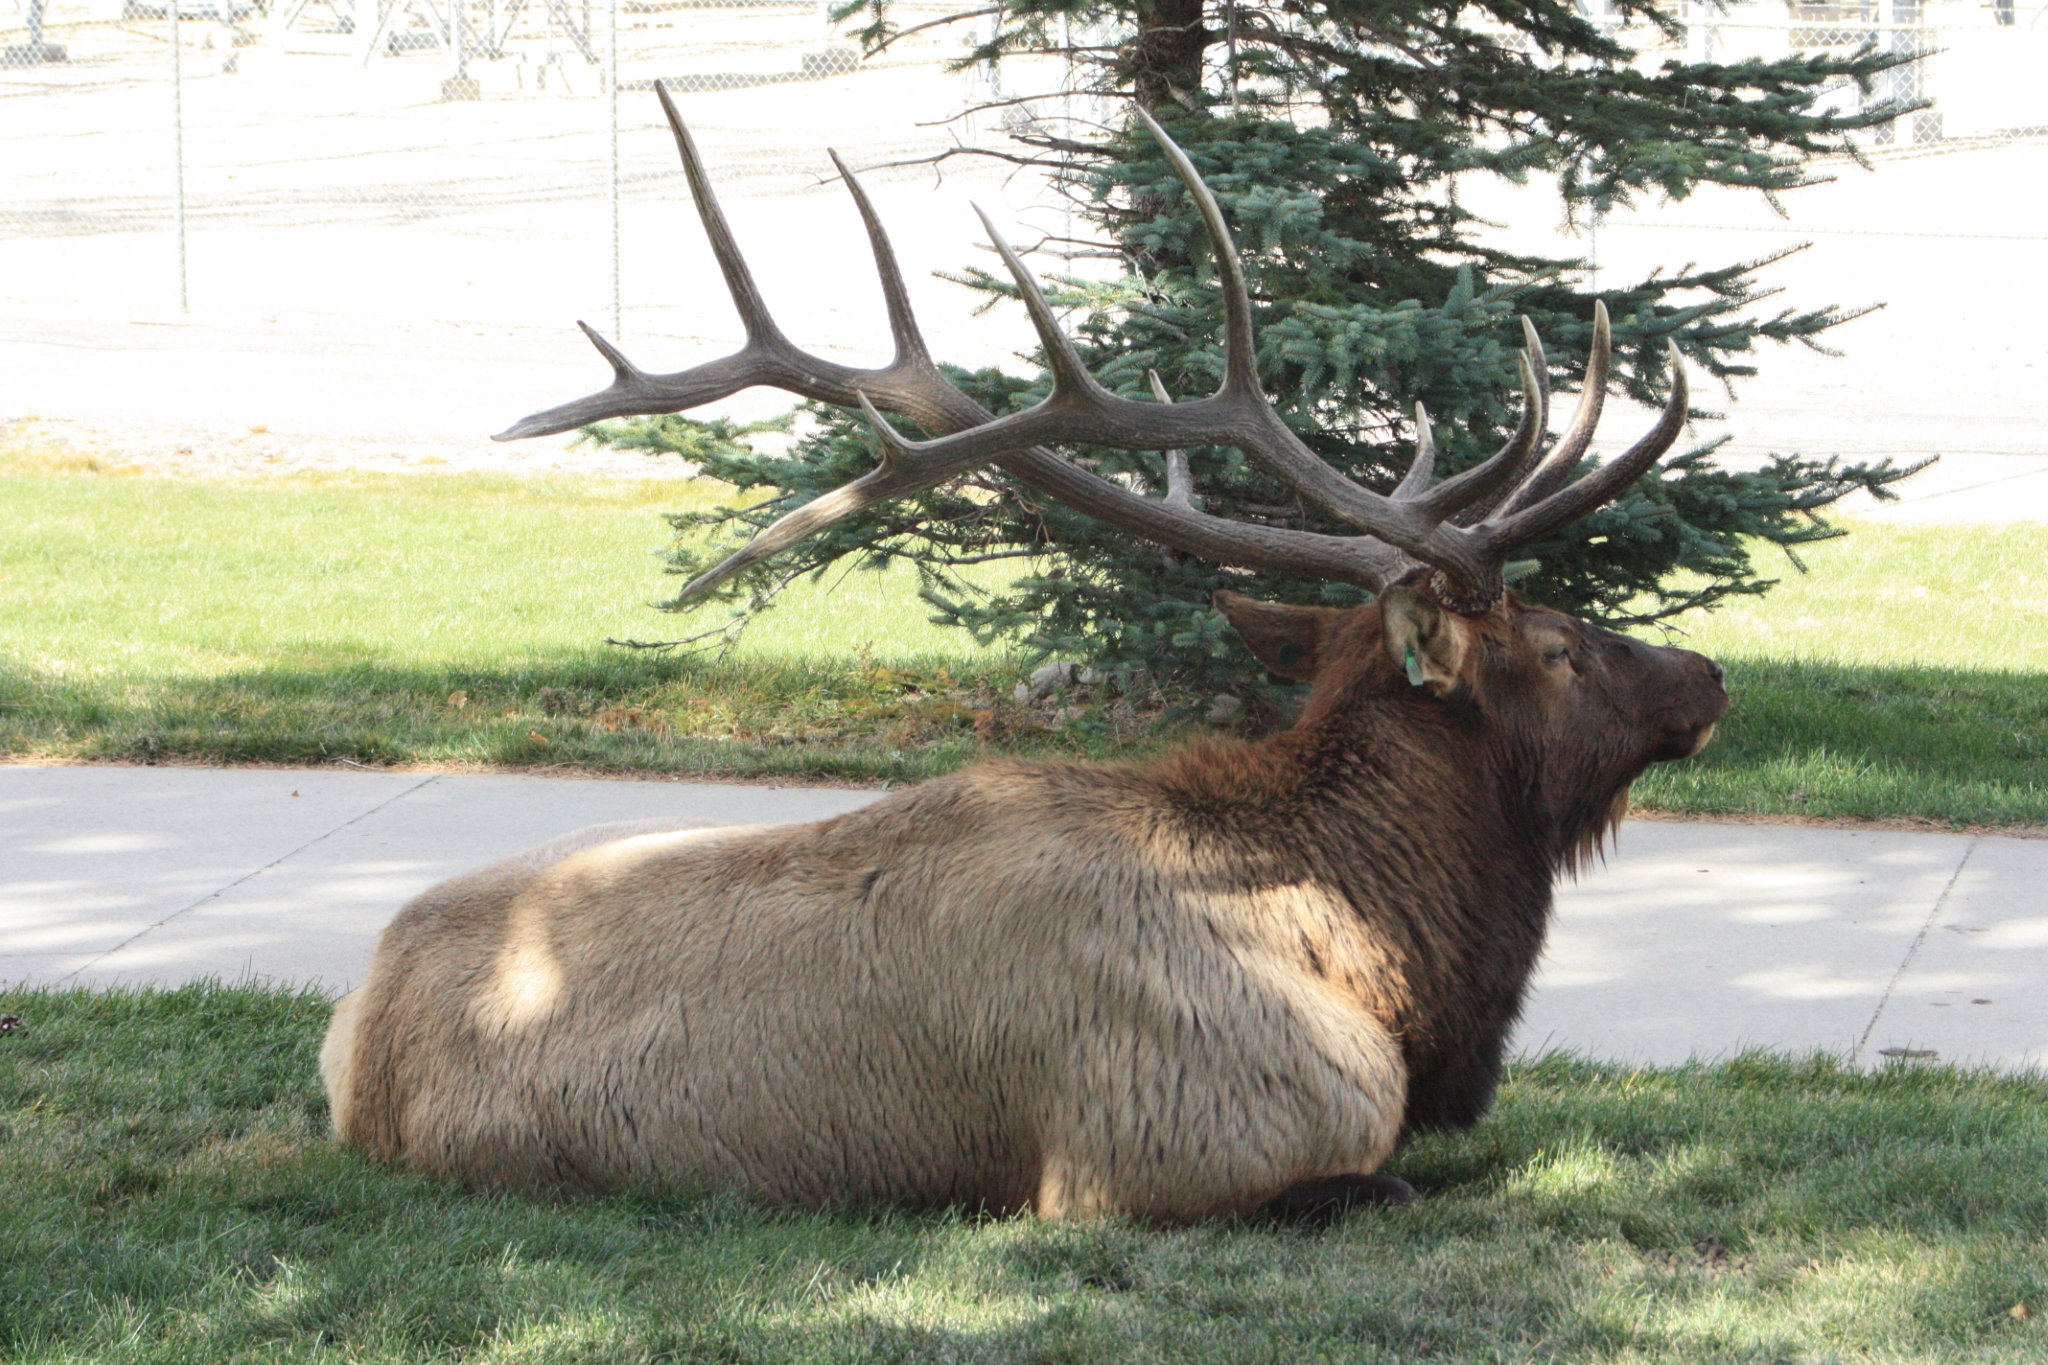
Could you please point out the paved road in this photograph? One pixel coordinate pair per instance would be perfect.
(1695, 940)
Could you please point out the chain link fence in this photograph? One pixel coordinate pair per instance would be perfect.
(375, 143)
(1939, 228)
(1975, 62)
(372, 221)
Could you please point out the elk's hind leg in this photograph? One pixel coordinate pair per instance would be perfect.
(337, 1055)
(1319, 1203)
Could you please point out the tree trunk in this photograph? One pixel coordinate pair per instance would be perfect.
(1166, 58)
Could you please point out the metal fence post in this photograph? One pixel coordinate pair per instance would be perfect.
(1593, 250)
(460, 85)
(178, 149)
(611, 81)
(35, 50)
(1230, 49)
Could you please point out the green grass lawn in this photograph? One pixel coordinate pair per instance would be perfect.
(171, 1196)
(423, 618)
(1905, 676)
(460, 619)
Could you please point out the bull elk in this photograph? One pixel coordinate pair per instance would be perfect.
(1226, 980)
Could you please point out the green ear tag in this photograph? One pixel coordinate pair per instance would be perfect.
(1414, 668)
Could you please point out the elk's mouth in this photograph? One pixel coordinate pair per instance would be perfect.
(1695, 740)
(1683, 739)
(1687, 728)
(1674, 742)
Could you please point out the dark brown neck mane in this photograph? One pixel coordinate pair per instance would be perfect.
(1424, 820)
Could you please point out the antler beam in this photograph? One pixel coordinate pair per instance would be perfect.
(1465, 527)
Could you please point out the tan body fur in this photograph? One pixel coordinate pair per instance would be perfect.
(1172, 990)
(852, 1011)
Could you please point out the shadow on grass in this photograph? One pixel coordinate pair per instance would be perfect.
(172, 1196)
(1861, 742)
(606, 710)
(1817, 739)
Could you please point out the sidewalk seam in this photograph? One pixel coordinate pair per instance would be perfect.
(220, 891)
(1913, 949)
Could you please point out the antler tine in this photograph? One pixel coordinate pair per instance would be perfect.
(1483, 482)
(1535, 374)
(1551, 473)
(903, 329)
(635, 393)
(622, 368)
(1245, 418)
(1539, 364)
(895, 477)
(1511, 531)
(1180, 479)
(799, 525)
(739, 280)
(1071, 382)
(1422, 469)
(1240, 356)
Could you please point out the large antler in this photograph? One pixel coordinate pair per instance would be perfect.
(1465, 527)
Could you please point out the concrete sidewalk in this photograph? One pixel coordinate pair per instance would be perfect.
(1696, 940)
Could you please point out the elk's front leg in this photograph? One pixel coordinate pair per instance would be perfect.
(1204, 1099)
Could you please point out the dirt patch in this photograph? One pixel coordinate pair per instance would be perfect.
(171, 450)
(1895, 823)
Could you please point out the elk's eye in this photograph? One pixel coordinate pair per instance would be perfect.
(1557, 655)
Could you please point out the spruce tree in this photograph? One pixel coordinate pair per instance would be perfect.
(1336, 136)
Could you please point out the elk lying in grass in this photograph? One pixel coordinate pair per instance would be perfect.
(1230, 979)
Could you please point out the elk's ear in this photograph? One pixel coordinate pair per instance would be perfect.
(1426, 641)
(1287, 640)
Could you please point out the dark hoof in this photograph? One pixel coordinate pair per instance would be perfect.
(1319, 1203)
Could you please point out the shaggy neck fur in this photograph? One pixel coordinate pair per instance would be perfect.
(1438, 830)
